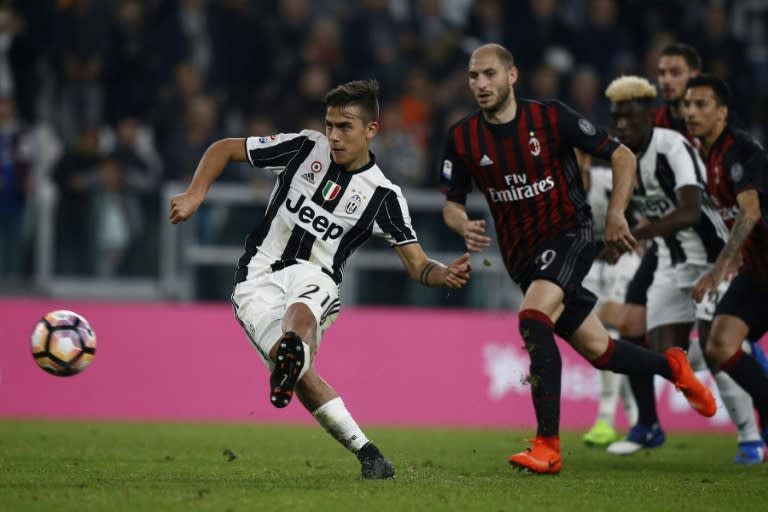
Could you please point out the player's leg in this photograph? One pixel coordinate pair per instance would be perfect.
(670, 317)
(329, 410)
(560, 265)
(602, 431)
(737, 402)
(618, 280)
(278, 323)
(602, 281)
(632, 328)
(591, 340)
(740, 314)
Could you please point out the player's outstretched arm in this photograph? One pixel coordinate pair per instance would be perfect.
(473, 231)
(617, 233)
(433, 273)
(213, 162)
(729, 259)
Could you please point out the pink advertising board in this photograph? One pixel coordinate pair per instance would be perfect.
(392, 367)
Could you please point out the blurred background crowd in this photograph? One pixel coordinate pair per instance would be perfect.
(103, 102)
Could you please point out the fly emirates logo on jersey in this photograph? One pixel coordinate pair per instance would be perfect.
(318, 222)
(519, 189)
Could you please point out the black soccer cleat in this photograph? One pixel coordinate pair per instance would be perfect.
(291, 358)
(373, 465)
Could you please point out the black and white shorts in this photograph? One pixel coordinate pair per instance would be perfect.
(260, 302)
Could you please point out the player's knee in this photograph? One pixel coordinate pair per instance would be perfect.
(717, 351)
(299, 319)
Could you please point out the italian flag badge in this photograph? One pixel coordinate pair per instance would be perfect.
(331, 190)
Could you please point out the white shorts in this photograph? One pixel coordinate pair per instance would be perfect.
(609, 282)
(669, 297)
(261, 300)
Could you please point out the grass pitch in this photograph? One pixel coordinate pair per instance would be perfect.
(74, 466)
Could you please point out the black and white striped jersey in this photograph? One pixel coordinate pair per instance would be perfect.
(317, 211)
(598, 196)
(669, 163)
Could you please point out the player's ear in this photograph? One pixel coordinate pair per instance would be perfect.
(722, 112)
(513, 74)
(371, 130)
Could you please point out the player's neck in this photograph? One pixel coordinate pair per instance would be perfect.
(504, 114)
(359, 162)
(708, 140)
(674, 110)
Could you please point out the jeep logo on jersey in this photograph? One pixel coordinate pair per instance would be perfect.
(319, 223)
(652, 207)
(352, 204)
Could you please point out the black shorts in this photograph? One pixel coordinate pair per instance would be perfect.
(565, 261)
(747, 299)
(637, 289)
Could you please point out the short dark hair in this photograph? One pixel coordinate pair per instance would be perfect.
(718, 86)
(363, 93)
(504, 56)
(686, 51)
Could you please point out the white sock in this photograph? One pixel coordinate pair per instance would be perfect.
(336, 420)
(738, 403)
(696, 356)
(609, 396)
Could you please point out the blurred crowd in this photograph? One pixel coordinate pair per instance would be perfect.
(106, 100)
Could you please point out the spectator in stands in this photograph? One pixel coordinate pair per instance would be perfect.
(15, 187)
(130, 55)
(80, 41)
(74, 174)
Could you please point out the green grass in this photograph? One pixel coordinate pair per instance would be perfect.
(146, 467)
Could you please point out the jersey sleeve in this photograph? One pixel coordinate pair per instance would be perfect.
(579, 132)
(455, 179)
(749, 167)
(273, 152)
(684, 161)
(393, 220)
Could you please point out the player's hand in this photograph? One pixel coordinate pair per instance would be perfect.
(707, 284)
(457, 273)
(475, 237)
(183, 206)
(608, 255)
(617, 233)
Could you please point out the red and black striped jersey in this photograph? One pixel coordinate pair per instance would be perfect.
(527, 171)
(736, 163)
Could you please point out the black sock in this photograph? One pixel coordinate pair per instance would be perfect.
(640, 364)
(632, 358)
(537, 332)
(748, 374)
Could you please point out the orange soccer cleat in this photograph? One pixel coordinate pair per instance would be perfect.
(543, 457)
(697, 394)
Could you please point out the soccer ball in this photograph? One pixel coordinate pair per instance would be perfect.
(63, 343)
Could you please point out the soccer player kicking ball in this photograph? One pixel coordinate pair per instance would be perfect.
(329, 198)
(520, 154)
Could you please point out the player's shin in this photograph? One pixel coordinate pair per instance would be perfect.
(748, 373)
(334, 417)
(641, 365)
(537, 332)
